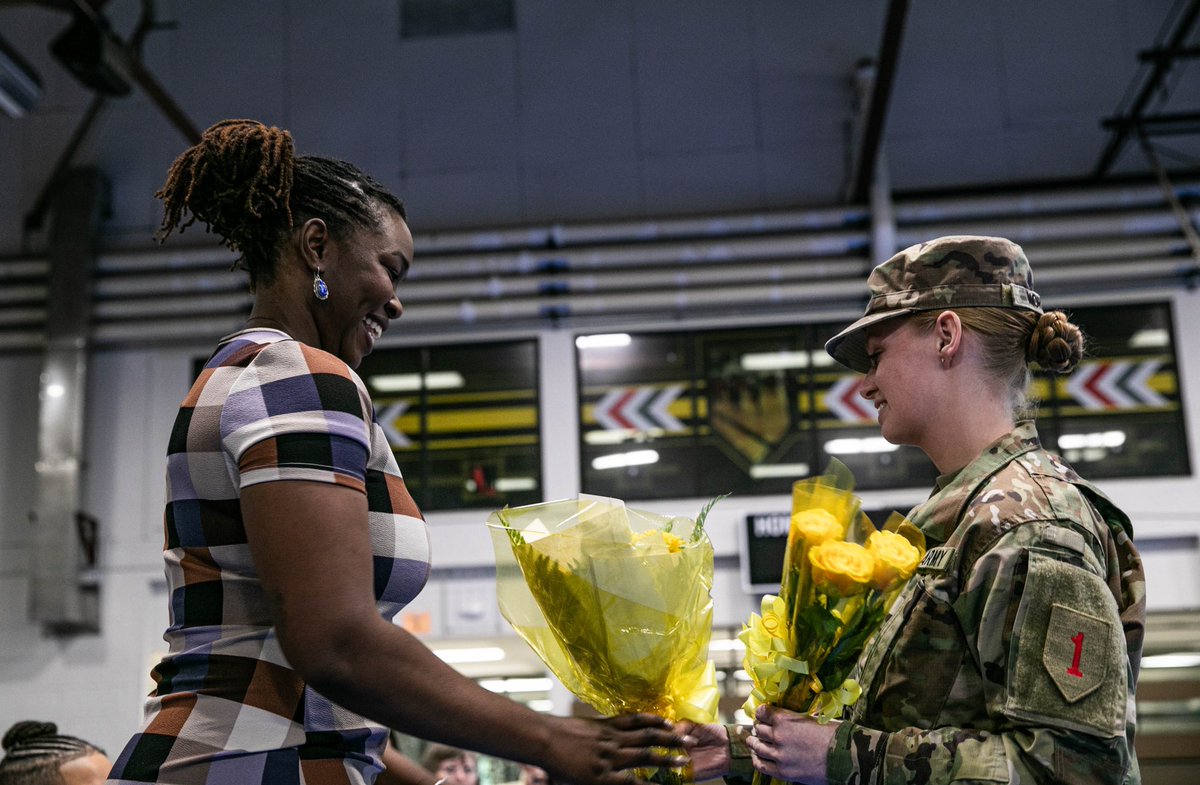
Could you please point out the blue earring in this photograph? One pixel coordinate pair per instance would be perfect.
(319, 287)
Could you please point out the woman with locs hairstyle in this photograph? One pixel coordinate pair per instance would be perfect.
(1012, 655)
(291, 540)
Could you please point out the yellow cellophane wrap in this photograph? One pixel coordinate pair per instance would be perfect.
(617, 602)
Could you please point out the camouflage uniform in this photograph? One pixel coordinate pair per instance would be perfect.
(1012, 655)
(1018, 542)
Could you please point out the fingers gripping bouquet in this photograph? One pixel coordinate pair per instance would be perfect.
(617, 603)
(840, 577)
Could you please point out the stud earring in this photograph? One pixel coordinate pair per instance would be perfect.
(319, 288)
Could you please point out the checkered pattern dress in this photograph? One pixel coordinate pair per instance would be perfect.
(228, 708)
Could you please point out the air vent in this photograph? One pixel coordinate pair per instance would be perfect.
(430, 18)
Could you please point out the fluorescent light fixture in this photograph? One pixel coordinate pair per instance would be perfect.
(510, 484)
(608, 437)
(55, 390)
(766, 470)
(774, 361)
(20, 87)
(541, 684)
(460, 656)
(855, 446)
(727, 644)
(602, 341)
(1179, 659)
(542, 705)
(1149, 338)
(1082, 441)
(622, 459)
(411, 382)
(778, 361)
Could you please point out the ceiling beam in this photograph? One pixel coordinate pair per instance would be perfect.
(863, 166)
(1163, 58)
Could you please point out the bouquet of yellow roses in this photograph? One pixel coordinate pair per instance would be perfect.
(840, 577)
(617, 602)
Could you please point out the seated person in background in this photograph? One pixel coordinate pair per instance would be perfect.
(454, 766)
(35, 754)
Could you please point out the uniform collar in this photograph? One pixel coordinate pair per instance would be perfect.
(939, 517)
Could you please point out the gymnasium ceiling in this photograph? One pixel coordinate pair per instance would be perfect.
(488, 113)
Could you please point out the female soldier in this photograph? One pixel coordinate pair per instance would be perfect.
(291, 540)
(1012, 655)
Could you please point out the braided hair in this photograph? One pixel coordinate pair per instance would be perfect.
(244, 181)
(33, 752)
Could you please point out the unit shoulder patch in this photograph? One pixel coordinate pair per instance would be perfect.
(1067, 666)
(1075, 654)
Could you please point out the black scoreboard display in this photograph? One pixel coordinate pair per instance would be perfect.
(763, 541)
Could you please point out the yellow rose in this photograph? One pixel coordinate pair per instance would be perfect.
(895, 559)
(817, 526)
(841, 568)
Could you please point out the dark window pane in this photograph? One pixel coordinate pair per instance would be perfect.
(462, 420)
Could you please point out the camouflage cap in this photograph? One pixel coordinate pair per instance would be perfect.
(949, 272)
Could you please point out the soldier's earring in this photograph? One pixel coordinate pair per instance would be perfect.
(320, 289)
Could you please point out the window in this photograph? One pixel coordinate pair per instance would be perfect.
(748, 411)
(462, 421)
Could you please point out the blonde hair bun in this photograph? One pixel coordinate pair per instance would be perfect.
(1055, 344)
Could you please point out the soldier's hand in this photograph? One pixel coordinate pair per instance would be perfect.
(790, 746)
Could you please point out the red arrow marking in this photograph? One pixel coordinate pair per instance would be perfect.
(615, 412)
(1092, 386)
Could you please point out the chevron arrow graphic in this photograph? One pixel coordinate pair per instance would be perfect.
(846, 404)
(387, 421)
(1115, 385)
(639, 409)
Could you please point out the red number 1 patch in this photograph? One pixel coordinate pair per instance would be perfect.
(1076, 653)
(1074, 669)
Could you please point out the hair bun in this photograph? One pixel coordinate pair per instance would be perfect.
(1056, 344)
(26, 731)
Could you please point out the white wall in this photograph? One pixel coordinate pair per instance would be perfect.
(94, 685)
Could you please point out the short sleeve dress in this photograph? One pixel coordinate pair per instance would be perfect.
(227, 707)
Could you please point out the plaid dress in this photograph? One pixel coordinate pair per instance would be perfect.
(227, 707)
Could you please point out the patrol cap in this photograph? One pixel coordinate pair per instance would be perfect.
(949, 272)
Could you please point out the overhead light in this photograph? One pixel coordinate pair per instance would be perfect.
(868, 444)
(726, 644)
(767, 470)
(608, 437)
(510, 484)
(1176, 660)
(778, 361)
(542, 705)
(603, 341)
(622, 459)
(1149, 338)
(20, 87)
(460, 656)
(541, 684)
(411, 382)
(1082, 441)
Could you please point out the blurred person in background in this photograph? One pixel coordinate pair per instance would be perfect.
(35, 753)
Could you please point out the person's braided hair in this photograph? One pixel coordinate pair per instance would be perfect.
(1055, 343)
(244, 181)
(34, 751)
